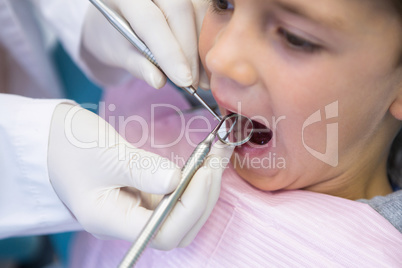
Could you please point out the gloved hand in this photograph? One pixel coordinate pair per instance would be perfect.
(104, 181)
(169, 28)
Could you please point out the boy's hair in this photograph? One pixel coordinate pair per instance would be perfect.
(398, 5)
(395, 161)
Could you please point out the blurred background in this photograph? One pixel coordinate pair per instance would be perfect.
(51, 251)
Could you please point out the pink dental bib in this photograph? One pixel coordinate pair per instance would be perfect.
(248, 227)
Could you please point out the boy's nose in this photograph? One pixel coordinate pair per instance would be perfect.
(231, 55)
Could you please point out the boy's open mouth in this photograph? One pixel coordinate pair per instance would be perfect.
(261, 134)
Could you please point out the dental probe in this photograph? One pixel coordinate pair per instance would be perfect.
(124, 28)
(169, 201)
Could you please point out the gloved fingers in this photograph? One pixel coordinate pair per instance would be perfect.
(150, 201)
(142, 68)
(120, 52)
(200, 9)
(150, 24)
(216, 163)
(136, 64)
(149, 172)
(203, 79)
(212, 199)
(97, 36)
(185, 213)
(118, 214)
(223, 150)
(127, 165)
(180, 17)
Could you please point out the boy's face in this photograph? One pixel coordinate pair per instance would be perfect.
(321, 74)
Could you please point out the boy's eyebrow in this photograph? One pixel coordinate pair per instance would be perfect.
(303, 12)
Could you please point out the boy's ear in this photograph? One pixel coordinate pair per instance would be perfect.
(396, 107)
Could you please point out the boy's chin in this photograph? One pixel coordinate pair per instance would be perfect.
(262, 179)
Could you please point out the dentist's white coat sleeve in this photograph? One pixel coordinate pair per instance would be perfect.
(28, 203)
(66, 18)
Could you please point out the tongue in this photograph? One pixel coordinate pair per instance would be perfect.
(261, 134)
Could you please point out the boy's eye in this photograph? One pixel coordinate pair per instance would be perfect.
(297, 42)
(220, 5)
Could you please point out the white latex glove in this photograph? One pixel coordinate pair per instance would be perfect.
(99, 177)
(169, 28)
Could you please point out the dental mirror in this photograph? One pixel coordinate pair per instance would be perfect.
(235, 130)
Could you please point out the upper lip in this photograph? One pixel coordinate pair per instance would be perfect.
(227, 108)
(228, 111)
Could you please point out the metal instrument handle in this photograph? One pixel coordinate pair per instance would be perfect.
(168, 202)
